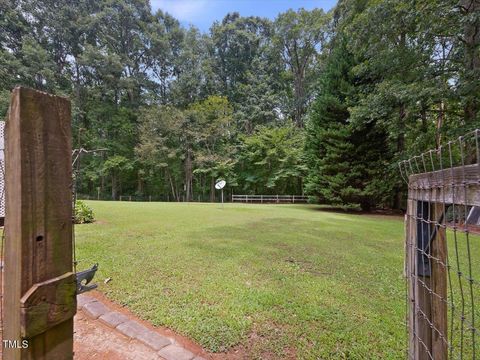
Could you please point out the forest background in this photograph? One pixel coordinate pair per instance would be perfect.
(323, 104)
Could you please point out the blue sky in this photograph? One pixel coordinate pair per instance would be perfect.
(202, 13)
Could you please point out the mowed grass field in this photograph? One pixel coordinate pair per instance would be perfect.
(271, 281)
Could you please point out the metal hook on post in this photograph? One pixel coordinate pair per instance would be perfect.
(84, 278)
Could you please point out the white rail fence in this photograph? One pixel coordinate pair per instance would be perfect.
(270, 199)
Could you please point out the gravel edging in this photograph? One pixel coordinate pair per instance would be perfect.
(167, 348)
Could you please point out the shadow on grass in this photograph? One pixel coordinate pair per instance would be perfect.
(309, 244)
(348, 211)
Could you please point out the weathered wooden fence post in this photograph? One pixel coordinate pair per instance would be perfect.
(423, 275)
(432, 321)
(39, 287)
(426, 264)
(410, 273)
(439, 283)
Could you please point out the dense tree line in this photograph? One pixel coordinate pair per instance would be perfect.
(399, 77)
(325, 103)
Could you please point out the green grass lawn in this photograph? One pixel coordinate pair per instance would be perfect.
(278, 281)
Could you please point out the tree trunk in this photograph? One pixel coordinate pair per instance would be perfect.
(188, 175)
(171, 185)
(114, 186)
(440, 121)
(472, 57)
(423, 116)
(140, 184)
(401, 129)
(400, 149)
(402, 114)
(212, 189)
(299, 98)
(192, 197)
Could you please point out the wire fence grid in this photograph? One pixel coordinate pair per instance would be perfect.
(443, 251)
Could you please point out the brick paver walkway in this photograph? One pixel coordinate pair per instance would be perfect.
(167, 348)
(103, 333)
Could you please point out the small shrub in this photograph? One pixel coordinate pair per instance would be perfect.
(83, 213)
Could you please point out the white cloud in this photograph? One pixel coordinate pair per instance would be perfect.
(184, 10)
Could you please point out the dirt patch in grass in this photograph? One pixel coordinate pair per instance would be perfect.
(307, 266)
(266, 342)
(255, 349)
(382, 213)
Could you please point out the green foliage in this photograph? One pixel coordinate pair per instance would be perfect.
(271, 161)
(345, 160)
(376, 81)
(83, 213)
(298, 37)
(391, 87)
(4, 103)
(182, 144)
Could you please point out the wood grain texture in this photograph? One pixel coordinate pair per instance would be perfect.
(459, 185)
(427, 308)
(423, 331)
(439, 286)
(457, 175)
(39, 209)
(411, 231)
(47, 304)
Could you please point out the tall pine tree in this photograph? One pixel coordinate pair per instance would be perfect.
(327, 146)
(345, 160)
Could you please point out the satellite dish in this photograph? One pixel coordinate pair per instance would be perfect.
(220, 185)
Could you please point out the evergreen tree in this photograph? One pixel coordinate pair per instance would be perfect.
(379, 80)
(327, 147)
(345, 161)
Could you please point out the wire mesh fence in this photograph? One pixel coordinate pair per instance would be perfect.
(443, 250)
